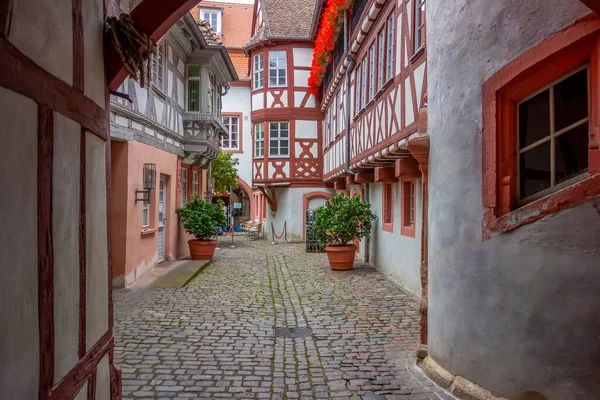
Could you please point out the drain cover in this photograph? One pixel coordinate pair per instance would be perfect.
(292, 332)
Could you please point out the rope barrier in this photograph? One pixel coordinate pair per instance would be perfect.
(228, 232)
(282, 232)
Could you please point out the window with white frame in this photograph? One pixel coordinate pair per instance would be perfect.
(372, 72)
(259, 140)
(357, 91)
(193, 88)
(158, 67)
(195, 182)
(277, 68)
(363, 89)
(340, 111)
(145, 215)
(213, 17)
(259, 68)
(336, 115)
(389, 59)
(184, 186)
(419, 24)
(279, 139)
(232, 142)
(380, 59)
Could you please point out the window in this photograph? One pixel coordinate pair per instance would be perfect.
(538, 131)
(357, 91)
(158, 65)
(195, 183)
(145, 215)
(279, 144)
(340, 111)
(389, 58)
(184, 186)
(552, 137)
(408, 207)
(193, 88)
(363, 89)
(419, 24)
(372, 72)
(277, 65)
(380, 59)
(259, 68)
(213, 17)
(259, 140)
(232, 142)
(388, 207)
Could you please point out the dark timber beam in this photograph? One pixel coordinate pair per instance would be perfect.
(340, 185)
(364, 177)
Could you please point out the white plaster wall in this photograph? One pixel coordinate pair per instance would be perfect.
(524, 302)
(19, 339)
(258, 101)
(103, 379)
(238, 100)
(396, 255)
(34, 30)
(93, 28)
(96, 240)
(301, 77)
(305, 129)
(302, 57)
(290, 210)
(65, 242)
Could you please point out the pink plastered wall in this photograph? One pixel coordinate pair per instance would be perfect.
(135, 251)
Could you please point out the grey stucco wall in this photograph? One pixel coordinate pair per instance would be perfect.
(521, 311)
(396, 255)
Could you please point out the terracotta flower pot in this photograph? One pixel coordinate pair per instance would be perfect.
(341, 258)
(202, 249)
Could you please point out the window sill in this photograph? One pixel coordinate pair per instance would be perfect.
(408, 231)
(566, 198)
(278, 157)
(231, 150)
(278, 87)
(417, 54)
(258, 158)
(148, 232)
(387, 227)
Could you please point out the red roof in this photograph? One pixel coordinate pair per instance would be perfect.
(236, 22)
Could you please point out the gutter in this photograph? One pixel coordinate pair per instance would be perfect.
(347, 168)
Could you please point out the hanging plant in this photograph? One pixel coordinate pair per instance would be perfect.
(325, 42)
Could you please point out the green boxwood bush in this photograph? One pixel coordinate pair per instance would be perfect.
(343, 219)
(201, 219)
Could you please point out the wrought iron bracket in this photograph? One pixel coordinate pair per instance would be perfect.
(145, 195)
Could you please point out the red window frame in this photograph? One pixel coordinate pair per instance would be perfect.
(406, 227)
(535, 68)
(387, 207)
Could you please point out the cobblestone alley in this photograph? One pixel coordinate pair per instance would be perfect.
(218, 336)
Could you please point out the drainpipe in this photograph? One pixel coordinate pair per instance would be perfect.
(347, 168)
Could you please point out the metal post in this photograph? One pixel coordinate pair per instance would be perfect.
(231, 222)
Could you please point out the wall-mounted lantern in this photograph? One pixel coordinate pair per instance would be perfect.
(149, 178)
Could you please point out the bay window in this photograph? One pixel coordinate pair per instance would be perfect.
(279, 139)
(193, 88)
(258, 71)
(259, 140)
(277, 68)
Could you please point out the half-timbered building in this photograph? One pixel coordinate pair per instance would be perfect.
(372, 95)
(173, 127)
(286, 120)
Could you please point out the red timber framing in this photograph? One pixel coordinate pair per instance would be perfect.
(364, 177)
(407, 168)
(339, 185)
(537, 67)
(378, 132)
(304, 165)
(272, 199)
(385, 174)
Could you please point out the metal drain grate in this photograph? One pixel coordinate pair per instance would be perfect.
(293, 333)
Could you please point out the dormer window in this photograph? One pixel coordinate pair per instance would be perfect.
(213, 17)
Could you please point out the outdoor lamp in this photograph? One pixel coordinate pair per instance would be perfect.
(149, 179)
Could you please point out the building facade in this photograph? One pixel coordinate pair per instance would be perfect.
(286, 121)
(233, 22)
(514, 243)
(175, 125)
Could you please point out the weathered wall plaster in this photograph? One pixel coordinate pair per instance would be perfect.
(520, 311)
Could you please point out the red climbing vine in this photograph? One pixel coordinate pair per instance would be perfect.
(325, 42)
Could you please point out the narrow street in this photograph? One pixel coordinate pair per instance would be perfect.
(223, 335)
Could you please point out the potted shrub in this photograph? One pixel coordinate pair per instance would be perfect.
(341, 220)
(201, 219)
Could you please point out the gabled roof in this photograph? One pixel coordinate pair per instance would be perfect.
(236, 21)
(286, 19)
(210, 36)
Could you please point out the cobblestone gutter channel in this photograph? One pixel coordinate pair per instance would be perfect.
(355, 332)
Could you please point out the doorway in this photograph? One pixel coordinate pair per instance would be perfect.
(162, 213)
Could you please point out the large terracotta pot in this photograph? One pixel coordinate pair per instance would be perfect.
(202, 249)
(341, 258)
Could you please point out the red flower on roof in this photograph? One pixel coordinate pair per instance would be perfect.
(325, 42)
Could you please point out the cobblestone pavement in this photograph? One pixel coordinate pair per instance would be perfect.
(216, 337)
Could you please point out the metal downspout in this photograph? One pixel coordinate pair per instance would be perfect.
(347, 106)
